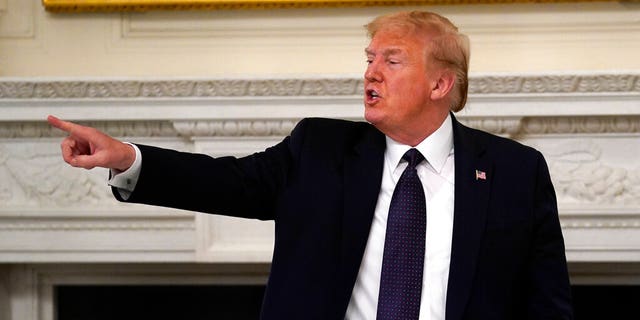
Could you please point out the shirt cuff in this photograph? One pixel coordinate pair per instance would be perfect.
(125, 181)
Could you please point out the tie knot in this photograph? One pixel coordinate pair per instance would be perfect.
(413, 156)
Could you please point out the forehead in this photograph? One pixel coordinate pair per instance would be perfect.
(395, 42)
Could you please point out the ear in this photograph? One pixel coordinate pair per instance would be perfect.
(443, 85)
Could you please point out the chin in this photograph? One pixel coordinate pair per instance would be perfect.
(370, 115)
(373, 118)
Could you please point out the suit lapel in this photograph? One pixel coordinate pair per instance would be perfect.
(471, 197)
(362, 179)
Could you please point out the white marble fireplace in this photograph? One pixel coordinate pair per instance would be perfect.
(61, 226)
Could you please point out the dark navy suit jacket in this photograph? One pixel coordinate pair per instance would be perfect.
(321, 185)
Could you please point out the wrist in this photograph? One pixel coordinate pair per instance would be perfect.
(129, 156)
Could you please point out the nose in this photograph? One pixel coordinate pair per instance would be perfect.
(372, 74)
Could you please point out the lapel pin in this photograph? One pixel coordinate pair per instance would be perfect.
(481, 175)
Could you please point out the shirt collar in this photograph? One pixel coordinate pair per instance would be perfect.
(435, 148)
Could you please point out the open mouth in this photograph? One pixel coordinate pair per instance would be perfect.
(372, 95)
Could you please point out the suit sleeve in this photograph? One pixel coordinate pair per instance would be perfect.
(550, 291)
(243, 187)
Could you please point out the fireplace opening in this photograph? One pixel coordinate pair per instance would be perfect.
(606, 301)
(158, 302)
(239, 302)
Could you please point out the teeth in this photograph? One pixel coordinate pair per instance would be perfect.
(373, 94)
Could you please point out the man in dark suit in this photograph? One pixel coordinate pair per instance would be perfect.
(493, 247)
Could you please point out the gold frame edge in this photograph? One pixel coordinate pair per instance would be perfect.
(76, 6)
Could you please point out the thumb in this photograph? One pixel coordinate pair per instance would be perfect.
(84, 161)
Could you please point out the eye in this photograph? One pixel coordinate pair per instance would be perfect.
(369, 61)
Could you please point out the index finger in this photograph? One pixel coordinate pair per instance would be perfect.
(61, 124)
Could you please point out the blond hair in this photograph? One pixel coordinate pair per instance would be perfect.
(449, 47)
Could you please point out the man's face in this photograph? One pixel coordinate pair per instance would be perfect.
(397, 84)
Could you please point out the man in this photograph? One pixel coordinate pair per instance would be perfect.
(475, 234)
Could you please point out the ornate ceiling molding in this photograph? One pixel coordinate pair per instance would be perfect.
(302, 87)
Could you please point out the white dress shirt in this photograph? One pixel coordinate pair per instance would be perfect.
(437, 177)
(125, 181)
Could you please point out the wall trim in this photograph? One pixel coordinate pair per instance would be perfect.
(27, 88)
(508, 126)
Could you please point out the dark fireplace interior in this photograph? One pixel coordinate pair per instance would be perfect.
(606, 302)
(192, 302)
(237, 302)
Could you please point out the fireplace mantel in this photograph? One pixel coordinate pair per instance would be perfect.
(586, 124)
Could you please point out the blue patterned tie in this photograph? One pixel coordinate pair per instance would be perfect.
(403, 258)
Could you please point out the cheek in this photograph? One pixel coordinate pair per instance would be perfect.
(408, 93)
(418, 91)
(412, 102)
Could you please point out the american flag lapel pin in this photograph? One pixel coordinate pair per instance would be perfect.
(481, 175)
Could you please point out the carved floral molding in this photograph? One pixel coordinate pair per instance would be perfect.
(478, 84)
(554, 84)
(178, 88)
(581, 176)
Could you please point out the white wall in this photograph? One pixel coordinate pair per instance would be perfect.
(505, 38)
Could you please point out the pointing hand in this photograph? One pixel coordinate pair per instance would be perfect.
(87, 147)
